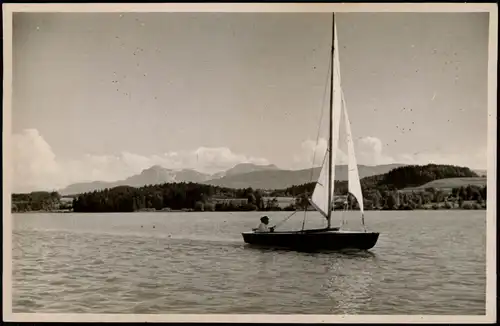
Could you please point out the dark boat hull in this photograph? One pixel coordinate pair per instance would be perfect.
(317, 240)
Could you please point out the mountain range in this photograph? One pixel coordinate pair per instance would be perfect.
(281, 179)
(240, 176)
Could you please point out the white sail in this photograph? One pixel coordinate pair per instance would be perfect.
(337, 106)
(319, 198)
(354, 183)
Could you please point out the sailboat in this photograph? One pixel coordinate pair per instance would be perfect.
(330, 237)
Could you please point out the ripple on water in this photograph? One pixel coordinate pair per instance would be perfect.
(91, 263)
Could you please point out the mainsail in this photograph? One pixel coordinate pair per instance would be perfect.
(320, 195)
(319, 198)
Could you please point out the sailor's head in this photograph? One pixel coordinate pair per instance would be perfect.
(264, 219)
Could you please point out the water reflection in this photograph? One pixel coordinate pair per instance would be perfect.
(349, 281)
(354, 253)
(344, 278)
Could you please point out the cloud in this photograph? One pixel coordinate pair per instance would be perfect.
(34, 162)
(221, 158)
(313, 153)
(370, 152)
(36, 166)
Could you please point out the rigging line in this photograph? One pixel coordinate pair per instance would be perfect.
(346, 203)
(321, 116)
(304, 220)
(276, 225)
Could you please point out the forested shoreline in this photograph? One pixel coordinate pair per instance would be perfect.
(381, 192)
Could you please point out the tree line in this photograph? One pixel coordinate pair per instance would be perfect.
(37, 201)
(381, 192)
(384, 192)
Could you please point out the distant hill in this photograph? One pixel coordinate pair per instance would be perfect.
(153, 175)
(418, 175)
(281, 179)
(481, 172)
(271, 177)
(243, 175)
(82, 187)
(157, 174)
(274, 179)
(449, 183)
(218, 175)
(406, 178)
(248, 168)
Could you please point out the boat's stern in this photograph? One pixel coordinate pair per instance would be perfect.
(369, 240)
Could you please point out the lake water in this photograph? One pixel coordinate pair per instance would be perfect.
(425, 262)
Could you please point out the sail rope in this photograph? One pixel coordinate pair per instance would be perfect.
(346, 208)
(286, 219)
(304, 219)
(343, 214)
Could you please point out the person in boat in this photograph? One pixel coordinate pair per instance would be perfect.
(263, 226)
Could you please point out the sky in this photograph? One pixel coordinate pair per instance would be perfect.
(102, 96)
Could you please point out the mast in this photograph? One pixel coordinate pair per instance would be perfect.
(330, 138)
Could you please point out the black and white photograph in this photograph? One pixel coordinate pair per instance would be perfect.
(242, 162)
